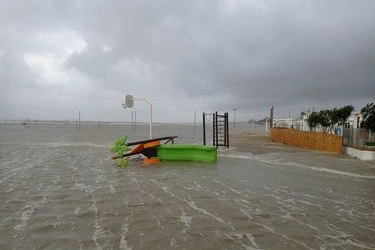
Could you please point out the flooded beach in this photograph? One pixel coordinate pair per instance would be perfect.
(59, 189)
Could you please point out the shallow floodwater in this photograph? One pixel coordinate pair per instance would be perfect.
(59, 189)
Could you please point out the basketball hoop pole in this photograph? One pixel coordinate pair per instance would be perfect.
(129, 103)
(149, 103)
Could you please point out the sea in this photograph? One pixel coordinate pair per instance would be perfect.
(60, 189)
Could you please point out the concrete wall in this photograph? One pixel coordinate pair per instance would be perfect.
(307, 139)
(366, 155)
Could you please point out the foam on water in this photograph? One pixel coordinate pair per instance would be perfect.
(194, 206)
(293, 164)
(186, 220)
(61, 144)
(26, 214)
(63, 191)
(123, 239)
(236, 237)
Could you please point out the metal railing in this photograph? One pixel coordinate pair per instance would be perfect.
(359, 138)
(294, 123)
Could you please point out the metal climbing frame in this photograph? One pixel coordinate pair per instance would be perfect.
(220, 131)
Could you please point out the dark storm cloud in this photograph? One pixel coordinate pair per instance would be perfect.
(205, 55)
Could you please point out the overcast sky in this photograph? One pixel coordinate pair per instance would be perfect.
(59, 57)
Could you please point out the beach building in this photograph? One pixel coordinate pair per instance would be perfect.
(356, 140)
(354, 121)
(300, 123)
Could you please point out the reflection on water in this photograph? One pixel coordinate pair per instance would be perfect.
(60, 190)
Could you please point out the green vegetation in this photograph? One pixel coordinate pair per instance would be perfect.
(329, 118)
(313, 120)
(368, 114)
(119, 147)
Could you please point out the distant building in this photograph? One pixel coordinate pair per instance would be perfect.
(355, 120)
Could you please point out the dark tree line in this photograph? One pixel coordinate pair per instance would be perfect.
(368, 114)
(329, 118)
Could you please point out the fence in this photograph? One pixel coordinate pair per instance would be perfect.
(359, 138)
(308, 139)
(302, 125)
(295, 123)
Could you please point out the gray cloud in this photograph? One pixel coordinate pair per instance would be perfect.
(184, 55)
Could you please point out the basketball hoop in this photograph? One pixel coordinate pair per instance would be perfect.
(129, 103)
(208, 117)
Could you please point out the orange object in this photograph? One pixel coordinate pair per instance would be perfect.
(152, 160)
(137, 149)
(151, 144)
